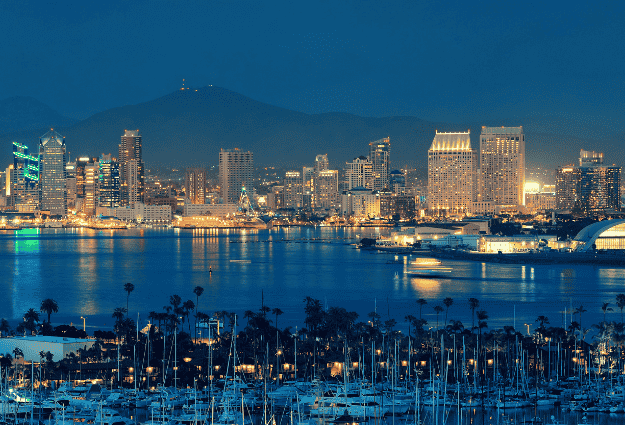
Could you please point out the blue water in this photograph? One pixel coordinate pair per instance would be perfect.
(84, 271)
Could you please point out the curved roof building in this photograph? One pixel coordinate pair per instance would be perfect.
(606, 234)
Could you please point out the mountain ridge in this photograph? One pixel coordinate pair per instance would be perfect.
(189, 127)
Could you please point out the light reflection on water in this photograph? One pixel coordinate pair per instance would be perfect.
(84, 271)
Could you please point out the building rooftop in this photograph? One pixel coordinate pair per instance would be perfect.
(451, 142)
(502, 130)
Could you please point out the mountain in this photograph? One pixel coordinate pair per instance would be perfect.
(23, 113)
(189, 127)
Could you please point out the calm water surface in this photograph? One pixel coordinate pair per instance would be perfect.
(84, 271)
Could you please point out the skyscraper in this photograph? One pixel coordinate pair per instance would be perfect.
(293, 190)
(52, 178)
(321, 163)
(566, 195)
(22, 180)
(326, 188)
(590, 187)
(195, 185)
(451, 173)
(502, 165)
(236, 170)
(131, 175)
(108, 182)
(380, 157)
(359, 173)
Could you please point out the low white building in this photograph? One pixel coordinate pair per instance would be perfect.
(213, 210)
(31, 346)
(138, 212)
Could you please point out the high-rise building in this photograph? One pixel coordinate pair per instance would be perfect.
(293, 190)
(321, 163)
(397, 181)
(52, 178)
(131, 175)
(92, 171)
(380, 157)
(590, 187)
(326, 189)
(359, 173)
(236, 171)
(452, 166)
(502, 165)
(108, 182)
(22, 180)
(195, 185)
(308, 177)
(566, 182)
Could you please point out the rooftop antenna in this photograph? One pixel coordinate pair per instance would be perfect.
(182, 88)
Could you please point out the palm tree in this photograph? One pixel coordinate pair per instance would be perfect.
(620, 303)
(473, 304)
(118, 314)
(448, 303)
(188, 306)
(410, 319)
(579, 310)
(421, 303)
(198, 291)
(438, 309)
(30, 317)
(49, 306)
(128, 287)
(277, 312)
(542, 320)
(605, 308)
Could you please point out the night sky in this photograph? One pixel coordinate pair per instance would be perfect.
(441, 61)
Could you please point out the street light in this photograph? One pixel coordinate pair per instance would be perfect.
(528, 327)
(83, 324)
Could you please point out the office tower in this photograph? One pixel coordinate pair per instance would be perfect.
(590, 158)
(293, 190)
(502, 165)
(359, 173)
(451, 173)
(590, 187)
(236, 171)
(397, 181)
(566, 182)
(321, 163)
(326, 189)
(308, 175)
(131, 175)
(195, 185)
(22, 180)
(92, 171)
(108, 182)
(380, 157)
(52, 178)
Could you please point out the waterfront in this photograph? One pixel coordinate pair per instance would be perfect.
(84, 271)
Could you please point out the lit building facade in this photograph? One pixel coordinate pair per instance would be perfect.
(360, 202)
(326, 189)
(108, 182)
(52, 178)
(22, 180)
(590, 187)
(380, 157)
(359, 173)
(452, 165)
(236, 171)
(393, 205)
(321, 163)
(502, 165)
(566, 196)
(293, 190)
(131, 168)
(195, 185)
